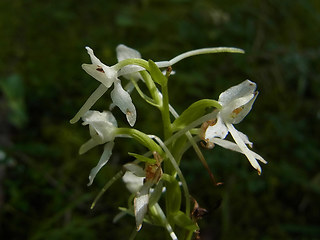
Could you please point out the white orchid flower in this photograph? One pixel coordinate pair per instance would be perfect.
(140, 181)
(236, 103)
(107, 76)
(102, 126)
(134, 180)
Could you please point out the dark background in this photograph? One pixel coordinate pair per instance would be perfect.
(43, 192)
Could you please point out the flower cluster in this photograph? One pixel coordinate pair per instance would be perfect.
(150, 178)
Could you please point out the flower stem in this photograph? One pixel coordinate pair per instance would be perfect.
(165, 113)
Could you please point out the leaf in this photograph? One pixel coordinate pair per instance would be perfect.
(143, 158)
(173, 195)
(193, 112)
(156, 74)
(182, 220)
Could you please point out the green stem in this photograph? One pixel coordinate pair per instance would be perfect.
(165, 113)
(151, 87)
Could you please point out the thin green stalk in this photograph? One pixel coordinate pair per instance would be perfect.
(176, 167)
(151, 87)
(165, 113)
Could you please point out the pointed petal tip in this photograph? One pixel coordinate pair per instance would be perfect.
(88, 48)
(139, 227)
(82, 150)
(131, 118)
(73, 120)
(90, 183)
(259, 172)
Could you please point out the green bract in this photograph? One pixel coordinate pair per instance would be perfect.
(193, 112)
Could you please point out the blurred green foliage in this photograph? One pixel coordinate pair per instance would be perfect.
(43, 193)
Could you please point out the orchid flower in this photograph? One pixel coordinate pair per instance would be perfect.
(107, 76)
(236, 103)
(139, 182)
(102, 126)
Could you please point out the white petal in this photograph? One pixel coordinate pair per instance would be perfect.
(122, 99)
(107, 152)
(132, 181)
(230, 111)
(243, 89)
(124, 52)
(130, 71)
(245, 139)
(101, 125)
(87, 146)
(135, 169)
(89, 103)
(218, 130)
(93, 58)
(141, 204)
(246, 109)
(243, 147)
(98, 73)
(234, 147)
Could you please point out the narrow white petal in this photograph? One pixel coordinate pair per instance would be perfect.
(141, 204)
(87, 146)
(93, 58)
(243, 89)
(122, 99)
(89, 103)
(107, 152)
(243, 147)
(245, 139)
(234, 147)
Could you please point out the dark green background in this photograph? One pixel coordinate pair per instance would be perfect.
(43, 192)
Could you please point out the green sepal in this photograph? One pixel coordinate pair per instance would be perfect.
(193, 112)
(156, 74)
(143, 158)
(182, 220)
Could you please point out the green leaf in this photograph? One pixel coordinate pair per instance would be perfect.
(182, 220)
(193, 112)
(156, 74)
(173, 196)
(143, 158)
